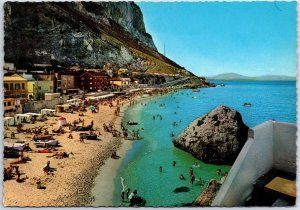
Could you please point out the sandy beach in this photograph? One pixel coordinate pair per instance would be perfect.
(72, 182)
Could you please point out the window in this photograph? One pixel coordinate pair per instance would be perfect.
(17, 86)
(91, 88)
(91, 83)
(39, 87)
(90, 78)
(6, 87)
(82, 78)
(23, 95)
(11, 86)
(23, 86)
(4, 103)
(9, 103)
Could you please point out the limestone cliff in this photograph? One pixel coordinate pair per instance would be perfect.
(217, 137)
(89, 34)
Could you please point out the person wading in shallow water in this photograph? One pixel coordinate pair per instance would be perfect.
(191, 171)
(160, 169)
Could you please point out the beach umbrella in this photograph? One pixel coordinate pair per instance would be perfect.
(92, 107)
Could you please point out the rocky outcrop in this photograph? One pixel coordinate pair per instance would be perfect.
(88, 34)
(208, 195)
(217, 137)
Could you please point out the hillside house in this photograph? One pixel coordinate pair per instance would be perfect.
(122, 71)
(15, 86)
(44, 84)
(65, 80)
(32, 86)
(94, 81)
(119, 82)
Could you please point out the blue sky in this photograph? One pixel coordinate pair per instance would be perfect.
(209, 38)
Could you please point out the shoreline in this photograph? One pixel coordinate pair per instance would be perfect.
(74, 177)
(103, 190)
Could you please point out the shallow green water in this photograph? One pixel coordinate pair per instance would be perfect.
(270, 100)
(141, 165)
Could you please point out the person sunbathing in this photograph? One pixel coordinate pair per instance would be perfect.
(19, 179)
(21, 160)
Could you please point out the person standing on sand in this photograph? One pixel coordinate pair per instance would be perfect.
(46, 168)
(81, 139)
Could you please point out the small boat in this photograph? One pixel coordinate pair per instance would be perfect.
(196, 90)
(247, 104)
(222, 85)
(132, 123)
(172, 134)
(194, 97)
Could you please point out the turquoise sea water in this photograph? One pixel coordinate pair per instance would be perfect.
(140, 168)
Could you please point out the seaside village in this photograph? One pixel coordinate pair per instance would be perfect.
(50, 116)
(59, 122)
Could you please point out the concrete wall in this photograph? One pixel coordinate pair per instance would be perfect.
(36, 106)
(273, 145)
(285, 147)
(255, 159)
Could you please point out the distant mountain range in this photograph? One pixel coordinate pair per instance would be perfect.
(234, 76)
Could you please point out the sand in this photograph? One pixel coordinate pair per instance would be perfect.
(71, 182)
(75, 181)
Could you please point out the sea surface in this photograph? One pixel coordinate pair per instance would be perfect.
(270, 100)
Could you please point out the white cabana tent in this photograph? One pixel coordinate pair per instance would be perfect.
(134, 90)
(16, 146)
(90, 98)
(33, 114)
(75, 101)
(20, 118)
(48, 112)
(8, 121)
(104, 96)
(62, 121)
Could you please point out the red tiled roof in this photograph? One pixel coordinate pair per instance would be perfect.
(95, 74)
(115, 79)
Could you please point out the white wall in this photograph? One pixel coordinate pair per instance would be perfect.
(274, 145)
(255, 159)
(285, 147)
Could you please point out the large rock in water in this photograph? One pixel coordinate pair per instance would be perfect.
(217, 137)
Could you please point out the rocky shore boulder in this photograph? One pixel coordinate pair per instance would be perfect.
(208, 195)
(217, 137)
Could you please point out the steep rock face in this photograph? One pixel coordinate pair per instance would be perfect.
(42, 31)
(217, 137)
